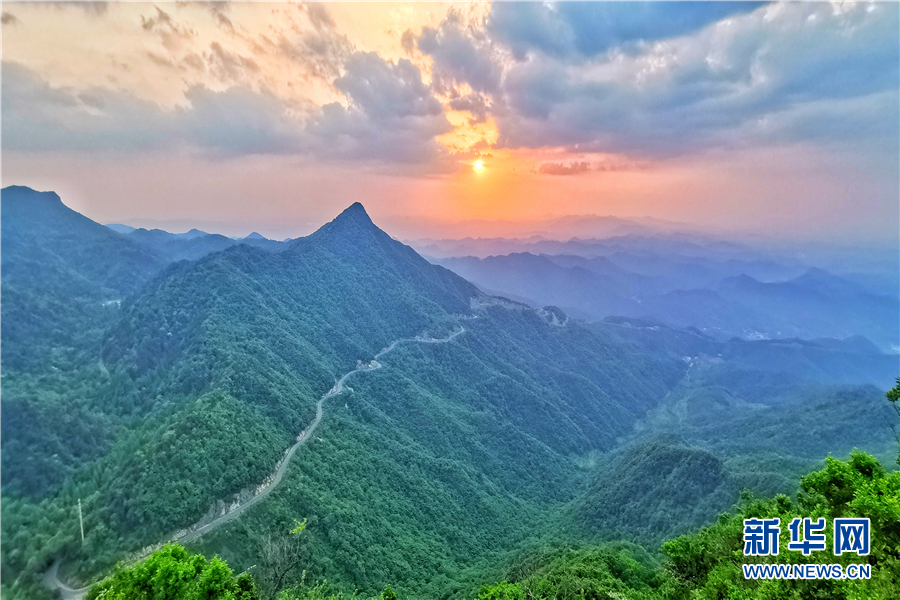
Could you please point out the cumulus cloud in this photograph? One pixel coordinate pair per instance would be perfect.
(462, 52)
(558, 168)
(723, 86)
(634, 80)
(37, 116)
(385, 90)
(392, 117)
(585, 29)
(238, 121)
(392, 114)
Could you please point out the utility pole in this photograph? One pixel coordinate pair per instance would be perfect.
(80, 520)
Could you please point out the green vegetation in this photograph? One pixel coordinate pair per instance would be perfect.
(707, 563)
(62, 274)
(441, 462)
(167, 472)
(704, 564)
(431, 474)
(172, 573)
(654, 489)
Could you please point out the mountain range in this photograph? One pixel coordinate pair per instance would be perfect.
(152, 378)
(719, 298)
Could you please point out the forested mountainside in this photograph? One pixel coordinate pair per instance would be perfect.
(61, 274)
(153, 391)
(700, 564)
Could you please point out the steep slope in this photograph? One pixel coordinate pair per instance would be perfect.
(60, 273)
(307, 313)
(43, 238)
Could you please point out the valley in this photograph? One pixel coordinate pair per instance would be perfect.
(237, 507)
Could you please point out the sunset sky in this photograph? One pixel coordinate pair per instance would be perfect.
(232, 117)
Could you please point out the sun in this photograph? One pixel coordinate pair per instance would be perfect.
(479, 165)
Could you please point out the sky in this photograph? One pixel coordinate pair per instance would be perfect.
(733, 117)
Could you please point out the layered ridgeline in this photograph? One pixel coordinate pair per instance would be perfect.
(723, 296)
(197, 375)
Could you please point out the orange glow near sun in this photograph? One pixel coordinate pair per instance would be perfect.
(466, 134)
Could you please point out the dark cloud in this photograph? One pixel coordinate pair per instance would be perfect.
(392, 115)
(8, 18)
(238, 121)
(558, 168)
(784, 73)
(36, 116)
(408, 41)
(475, 103)
(461, 53)
(585, 29)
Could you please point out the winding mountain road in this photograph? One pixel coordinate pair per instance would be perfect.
(51, 576)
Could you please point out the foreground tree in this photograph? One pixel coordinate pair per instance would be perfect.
(171, 573)
(708, 563)
(893, 396)
(279, 558)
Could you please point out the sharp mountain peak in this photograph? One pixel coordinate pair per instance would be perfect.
(353, 223)
(355, 213)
